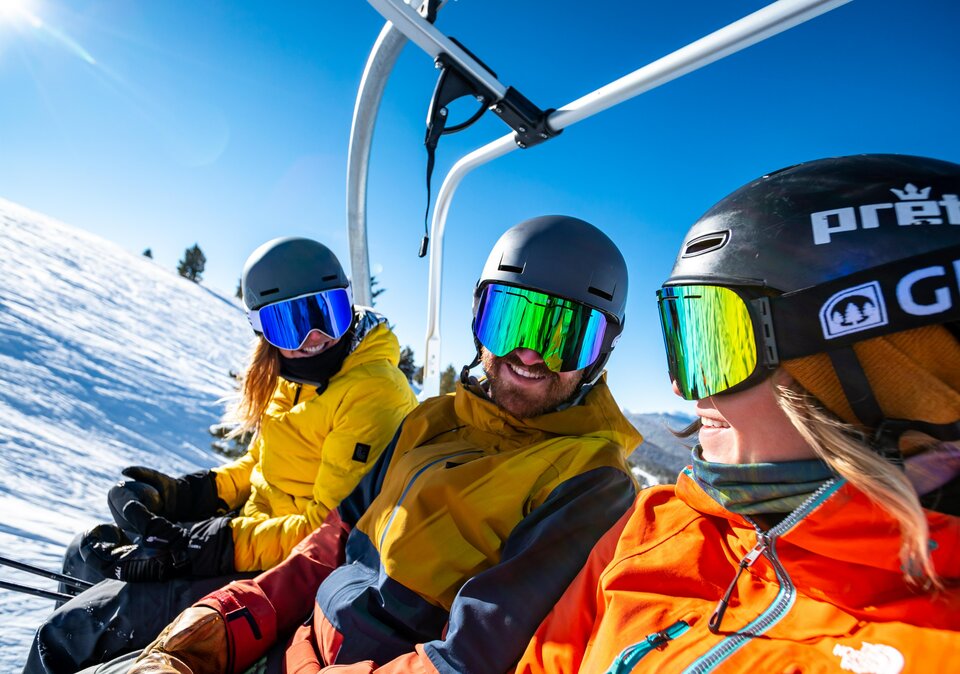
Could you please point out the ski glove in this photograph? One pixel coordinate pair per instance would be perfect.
(188, 498)
(194, 643)
(165, 550)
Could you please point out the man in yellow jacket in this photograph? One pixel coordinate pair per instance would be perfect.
(479, 512)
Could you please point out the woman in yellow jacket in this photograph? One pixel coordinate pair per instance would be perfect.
(322, 396)
(813, 315)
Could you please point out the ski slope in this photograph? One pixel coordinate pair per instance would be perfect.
(106, 360)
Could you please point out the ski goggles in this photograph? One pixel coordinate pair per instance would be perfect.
(567, 335)
(710, 337)
(286, 324)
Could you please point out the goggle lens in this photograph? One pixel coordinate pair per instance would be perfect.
(567, 335)
(287, 324)
(709, 338)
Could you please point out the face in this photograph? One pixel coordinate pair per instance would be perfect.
(749, 426)
(523, 385)
(316, 343)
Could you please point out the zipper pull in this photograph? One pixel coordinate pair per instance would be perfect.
(714, 624)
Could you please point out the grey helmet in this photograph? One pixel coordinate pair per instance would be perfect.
(565, 257)
(289, 267)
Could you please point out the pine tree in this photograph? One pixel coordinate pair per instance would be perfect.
(192, 264)
(448, 380)
(239, 292)
(374, 294)
(407, 366)
(148, 253)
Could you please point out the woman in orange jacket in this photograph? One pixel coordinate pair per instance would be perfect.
(813, 315)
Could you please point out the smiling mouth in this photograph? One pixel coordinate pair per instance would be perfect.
(524, 373)
(713, 423)
(312, 349)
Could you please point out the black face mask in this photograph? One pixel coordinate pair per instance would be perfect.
(317, 370)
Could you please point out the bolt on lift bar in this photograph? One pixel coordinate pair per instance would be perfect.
(762, 24)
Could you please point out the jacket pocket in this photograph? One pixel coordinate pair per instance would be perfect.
(631, 655)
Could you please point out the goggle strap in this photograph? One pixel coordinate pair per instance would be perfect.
(802, 319)
(767, 342)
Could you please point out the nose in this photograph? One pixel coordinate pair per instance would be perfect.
(528, 356)
(316, 338)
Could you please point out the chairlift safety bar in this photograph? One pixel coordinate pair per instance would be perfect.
(756, 27)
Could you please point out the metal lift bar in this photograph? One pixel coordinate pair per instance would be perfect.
(382, 58)
(762, 24)
(426, 36)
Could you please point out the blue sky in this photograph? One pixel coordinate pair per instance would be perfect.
(160, 124)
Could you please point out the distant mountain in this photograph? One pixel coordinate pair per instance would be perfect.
(106, 360)
(661, 455)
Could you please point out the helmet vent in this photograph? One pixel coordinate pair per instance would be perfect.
(330, 277)
(510, 268)
(271, 291)
(600, 293)
(706, 243)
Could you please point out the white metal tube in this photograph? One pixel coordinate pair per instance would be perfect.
(380, 63)
(767, 22)
(760, 25)
(426, 36)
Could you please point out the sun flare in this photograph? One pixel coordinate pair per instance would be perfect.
(17, 10)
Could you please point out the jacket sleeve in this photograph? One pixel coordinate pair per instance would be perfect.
(561, 640)
(262, 610)
(233, 479)
(497, 611)
(362, 426)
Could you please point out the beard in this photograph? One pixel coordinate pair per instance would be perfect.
(523, 402)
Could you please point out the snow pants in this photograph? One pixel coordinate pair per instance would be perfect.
(111, 618)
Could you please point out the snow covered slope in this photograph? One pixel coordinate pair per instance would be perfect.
(106, 360)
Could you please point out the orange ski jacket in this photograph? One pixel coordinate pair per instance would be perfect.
(822, 591)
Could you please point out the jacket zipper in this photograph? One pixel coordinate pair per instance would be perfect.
(767, 546)
(631, 655)
(413, 479)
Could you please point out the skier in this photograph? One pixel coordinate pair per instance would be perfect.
(479, 513)
(322, 395)
(815, 530)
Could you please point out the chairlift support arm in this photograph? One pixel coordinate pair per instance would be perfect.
(756, 27)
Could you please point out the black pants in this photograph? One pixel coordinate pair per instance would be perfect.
(111, 618)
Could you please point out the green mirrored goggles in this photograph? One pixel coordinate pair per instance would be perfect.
(567, 335)
(710, 338)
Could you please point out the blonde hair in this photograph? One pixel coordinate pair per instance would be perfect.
(845, 450)
(257, 385)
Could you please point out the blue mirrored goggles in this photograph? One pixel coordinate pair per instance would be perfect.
(287, 324)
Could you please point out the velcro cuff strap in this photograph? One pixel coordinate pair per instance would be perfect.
(250, 620)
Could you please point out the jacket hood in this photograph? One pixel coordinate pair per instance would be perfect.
(597, 416)
(372, 340)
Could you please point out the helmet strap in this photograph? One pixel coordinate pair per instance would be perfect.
(856, 387)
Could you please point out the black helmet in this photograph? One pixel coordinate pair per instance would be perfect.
(564, 257)
(814, 222)
(829, 253)
(289, 267)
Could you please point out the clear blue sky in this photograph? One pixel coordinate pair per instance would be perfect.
(163, 123)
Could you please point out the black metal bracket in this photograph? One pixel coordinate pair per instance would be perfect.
(527, 120)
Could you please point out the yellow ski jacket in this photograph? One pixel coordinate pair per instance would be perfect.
(313, 449)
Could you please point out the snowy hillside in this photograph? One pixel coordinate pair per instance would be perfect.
(106, 360)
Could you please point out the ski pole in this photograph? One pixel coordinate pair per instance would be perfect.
(29, 568)
(36, 591)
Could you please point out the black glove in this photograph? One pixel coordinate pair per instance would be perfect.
(188, 498)
(165, 550)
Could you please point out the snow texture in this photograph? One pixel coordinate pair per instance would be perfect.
(106, 360)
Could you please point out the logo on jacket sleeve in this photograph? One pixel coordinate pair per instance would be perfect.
(870, 659)
(361, 452)
(852, 310)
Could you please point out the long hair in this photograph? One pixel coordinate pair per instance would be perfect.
(257, 385)
(845, 450)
